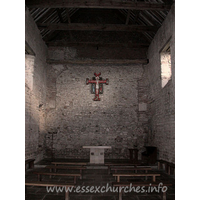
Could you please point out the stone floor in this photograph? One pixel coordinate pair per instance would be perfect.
(92, 177)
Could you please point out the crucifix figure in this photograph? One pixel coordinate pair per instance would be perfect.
(97, 85)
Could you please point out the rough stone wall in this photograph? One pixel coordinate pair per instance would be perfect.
(74, 119)
(89, 52)
(161, 101)
(143, 107)
(134, 109)
(35, 91)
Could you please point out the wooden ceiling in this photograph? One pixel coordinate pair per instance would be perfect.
(92, 22)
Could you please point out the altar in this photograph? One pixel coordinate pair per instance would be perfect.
(97, 153)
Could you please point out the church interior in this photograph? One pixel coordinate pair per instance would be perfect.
(99, 99)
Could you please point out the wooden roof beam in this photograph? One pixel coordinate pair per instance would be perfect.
(106, 4)
(99, 61)
(94, 44)
(60, 15)
(97, 27)
(68, 16)
(128, 16)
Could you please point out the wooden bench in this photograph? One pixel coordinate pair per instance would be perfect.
(69, 163)
(30, 163)
(140, 184)
(57, 174)
(120, 164)
(51, 167)
(42, 184)
(169, 167)
(120, 168)
(136, 175)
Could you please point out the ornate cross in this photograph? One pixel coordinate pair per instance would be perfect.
(97, 85)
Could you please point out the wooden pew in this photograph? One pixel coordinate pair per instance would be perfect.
(140, 184)
(169, 167)
(69, 163)
(136, 175)
(30, 163)
(120, 164)
(57, 174)
(42, 184)
(120, 168)
(51, 167)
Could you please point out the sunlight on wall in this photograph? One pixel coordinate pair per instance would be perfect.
(29, 70)
(165, 58)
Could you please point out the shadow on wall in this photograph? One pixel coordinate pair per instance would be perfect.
(34, 130)
(31, 135)
(34, 133)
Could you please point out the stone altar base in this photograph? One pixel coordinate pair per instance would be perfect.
(97, 154)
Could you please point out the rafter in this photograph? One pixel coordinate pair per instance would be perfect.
(128, 16)
(98, 61)
(97, 4)
(100, 44)
(137, 14)
(60, 15)
(68, 16)
(97, 27)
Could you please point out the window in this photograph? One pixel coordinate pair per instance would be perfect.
(165, 60)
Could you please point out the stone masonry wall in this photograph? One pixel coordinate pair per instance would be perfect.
(161, 101)
(93, 52)
(35, 91)
(134, 110)
(73, 119)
